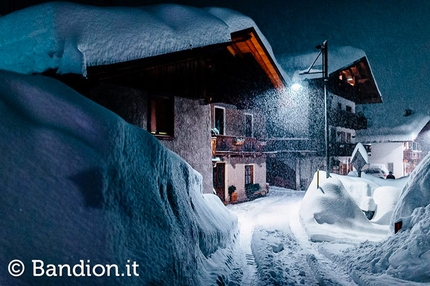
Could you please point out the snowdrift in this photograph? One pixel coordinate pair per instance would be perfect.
(79, 183)
(406, 254)
(334, 210)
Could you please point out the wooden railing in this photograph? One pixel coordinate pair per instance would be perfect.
(347, 119)
(236, 146)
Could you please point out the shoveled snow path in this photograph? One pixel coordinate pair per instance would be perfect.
(274, 249)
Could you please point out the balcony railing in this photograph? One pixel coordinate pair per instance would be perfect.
(291, 145)
(341, 149)
(236, 146)
(347, 119)
(411, 155)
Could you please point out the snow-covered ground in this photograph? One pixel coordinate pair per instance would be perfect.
(276, 250)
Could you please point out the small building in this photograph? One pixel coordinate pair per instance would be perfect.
(399, 142)
(238, 152)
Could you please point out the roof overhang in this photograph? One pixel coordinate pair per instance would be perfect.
(355, 82)
(248, 42)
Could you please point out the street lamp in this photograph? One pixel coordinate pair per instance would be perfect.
(324, 57)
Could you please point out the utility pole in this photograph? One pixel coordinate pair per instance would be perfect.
(324, 52)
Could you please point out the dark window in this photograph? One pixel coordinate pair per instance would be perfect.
(348, 108)
(342, 137)
(220, 120)
(249, 128)
(161, 119)
(249, 174)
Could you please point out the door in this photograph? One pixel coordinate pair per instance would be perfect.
(219, 180)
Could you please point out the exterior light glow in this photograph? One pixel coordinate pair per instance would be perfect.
(296, 87)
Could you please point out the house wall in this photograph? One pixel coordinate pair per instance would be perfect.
(193, 137)
(235, 120)
(235, 174)
(294, 116)
(384, 153)
(235, 166)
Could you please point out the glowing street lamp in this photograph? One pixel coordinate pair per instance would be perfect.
(296, 87)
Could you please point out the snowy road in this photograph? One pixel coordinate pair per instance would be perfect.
(274, 249)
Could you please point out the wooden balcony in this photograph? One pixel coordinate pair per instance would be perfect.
(412, 155)
(236, 146)
(341, 149)
(347, 119)
(292, 145)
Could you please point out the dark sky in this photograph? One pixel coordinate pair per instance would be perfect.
(394, 34)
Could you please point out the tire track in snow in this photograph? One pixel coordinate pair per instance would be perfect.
(322, 266)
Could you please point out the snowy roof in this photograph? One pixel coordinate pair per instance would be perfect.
(338, 57)
(70, 37)
(350, 74)
(399, 129)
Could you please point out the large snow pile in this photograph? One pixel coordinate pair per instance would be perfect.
(78, 183)
(334, 208)
(406, 254)
(70, 37)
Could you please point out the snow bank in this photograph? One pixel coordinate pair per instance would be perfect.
(78, 183)
(403, 258)
(329, 212)
(334, 211)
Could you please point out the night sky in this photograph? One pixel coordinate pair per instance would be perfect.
(393, 34)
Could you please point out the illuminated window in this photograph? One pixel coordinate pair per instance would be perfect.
(161, 116)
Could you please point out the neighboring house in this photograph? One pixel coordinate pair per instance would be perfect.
(298, 142)
(238, 152)
(166, 69)
(399, 141)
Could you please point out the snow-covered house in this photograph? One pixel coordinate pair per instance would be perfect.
(399, 142)
(300, 127)
(238, 152)
(159, 67)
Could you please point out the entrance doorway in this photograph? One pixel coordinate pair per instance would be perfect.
(219, 180)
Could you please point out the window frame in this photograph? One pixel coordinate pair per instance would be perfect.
(166, 116)
(251, 174)
(247, 114)
(221, 132)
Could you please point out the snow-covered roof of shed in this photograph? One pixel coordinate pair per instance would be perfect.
(69, 37)
(399, 129)
(338, 57)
